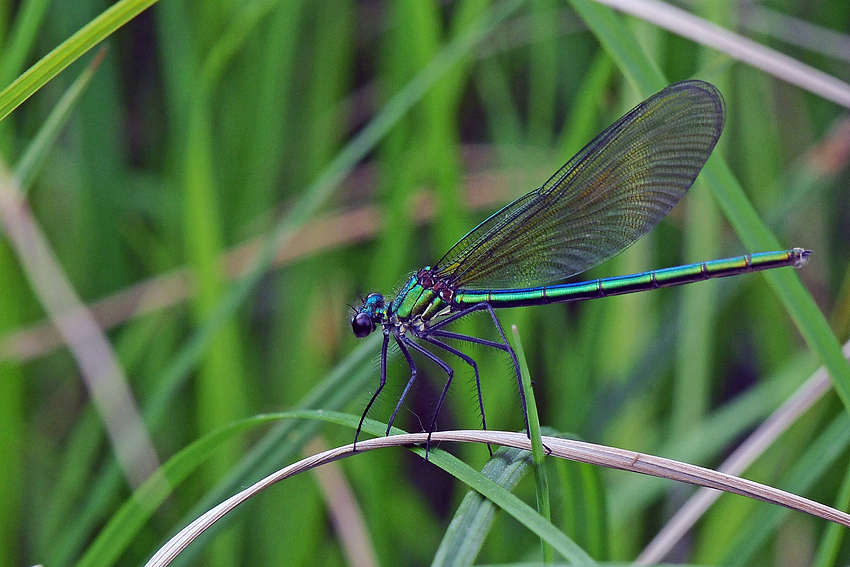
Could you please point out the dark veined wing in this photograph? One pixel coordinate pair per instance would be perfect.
(601, 201)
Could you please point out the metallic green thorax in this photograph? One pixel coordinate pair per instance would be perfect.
(421, 299)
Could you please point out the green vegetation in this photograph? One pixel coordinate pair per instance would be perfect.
(350, 144)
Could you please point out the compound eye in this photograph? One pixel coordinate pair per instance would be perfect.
(362, 325)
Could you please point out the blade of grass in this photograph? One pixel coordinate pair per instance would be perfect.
(221, 377)
(457, 468)
(538, 451)
(37, 151)
(474, 517)
(23, 33)
(22, 36)
(15, 418)
(69, 51)
(584, 505)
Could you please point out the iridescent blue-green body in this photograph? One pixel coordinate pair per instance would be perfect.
(599, 203)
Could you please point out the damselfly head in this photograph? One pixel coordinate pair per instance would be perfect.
(370, 314)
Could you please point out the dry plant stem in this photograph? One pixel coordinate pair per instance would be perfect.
(345, 513)
(736, 46)
(795, 31)
(804, 398)
(98, 364)
(574, 450)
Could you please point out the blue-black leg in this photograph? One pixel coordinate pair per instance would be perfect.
(435, 330)
(401, 342)
(512, 354)
(449, 372)
(380, 386)
(471, 362)
(469, 339)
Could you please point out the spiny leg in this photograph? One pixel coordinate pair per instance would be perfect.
(412, 365)
(467, 359)
(512, 354)
(435, 330)
(504, 345)
(469, 339)
(378, 390)
(471, 362)
(518, 374)
(449, 372)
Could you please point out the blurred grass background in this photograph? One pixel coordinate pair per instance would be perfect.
(208, 121)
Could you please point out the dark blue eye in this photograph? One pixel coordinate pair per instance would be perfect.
(362, 324)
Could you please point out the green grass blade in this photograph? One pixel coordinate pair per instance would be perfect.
(69, 51)
(521, 511)
(474, 517)
(22, 36)
(538, 451)
(14, 419)
(32, 159)
(582, 505)
(125, 524)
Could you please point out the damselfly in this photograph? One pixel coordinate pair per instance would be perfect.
(599, 203)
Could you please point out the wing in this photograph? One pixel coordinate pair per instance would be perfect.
(601, 201)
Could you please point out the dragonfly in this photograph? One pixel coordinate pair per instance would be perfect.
(610, 194)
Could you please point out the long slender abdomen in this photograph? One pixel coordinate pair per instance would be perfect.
(619, 285)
